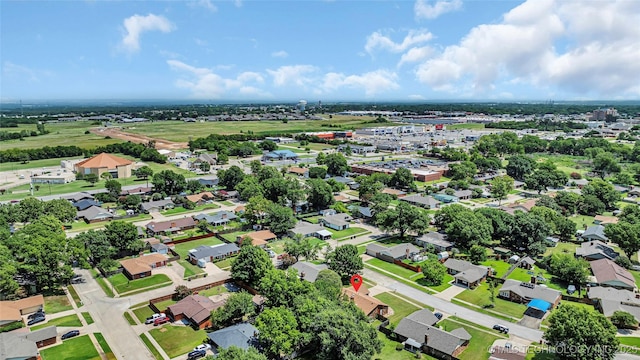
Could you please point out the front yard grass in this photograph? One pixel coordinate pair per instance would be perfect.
(189, 268)
(479, 343)
(400, 307)
(392, 268)
(72, 349)
(152, 349)
(480, 296)
(347, 233)
(446, 283)
(74, 295)
(87, 317)
(177, 340)
(122, 284)
(56, 303)
(142, 313)
(65, 321)
(226, 263)
(180, 209)
(163, 305)
(102, 282)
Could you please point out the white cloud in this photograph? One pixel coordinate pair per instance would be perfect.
(416, 54)
(280, 54)
(299, 75)
(377, 40)
(11, 70)
(137, 24)
(424, 10)
(205, 84)
(417, 97)
(206, 4)
(372, 83)
(585, 47)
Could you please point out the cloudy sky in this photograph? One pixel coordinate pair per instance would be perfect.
(320, 50)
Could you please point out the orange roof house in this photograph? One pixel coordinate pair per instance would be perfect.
(368, 304)
(102, 163)
(139, 267)
(258, 238)
(11, 311)
(200, 198)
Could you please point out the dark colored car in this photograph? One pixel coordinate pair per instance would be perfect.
(438, 315)
(196, 354)
(36, 314)
(36, 319)
(501, 328)
(70, 334)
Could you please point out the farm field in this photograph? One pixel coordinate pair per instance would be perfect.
(61, 134)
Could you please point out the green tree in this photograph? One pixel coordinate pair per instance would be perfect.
(144, 173)
(235, 353)
(97, 244)
(8, 284)
(251, 264)
(319, 194)
(501, 186)
(477, 254)
(279, 218)
(279, 335)
(317, 172)
(61, 209)
(238, 306)
(626, 235)
(402, 178)
(520, 166)
(544, 177)
(280, 288)
(328, 283)
(91, 179)
(502, 222)
(336, 164)
(569, 269)
(123, 236)
(605, 163)
(604, 191)
(169, 182)
(106, 176)
(345, 261)
(249, 187)
(568, 202)
(320, 159)
(256, 210)
(231, 177)
(591, 205)
(132, 201)
(368, 188)
(623, 320)
(583, 333)
(529, 232)
(29, 209)
(464, 226)
(403, 218)
(268, 172)
(113, 187)
(194, 186)
(434, 272)
(463, 170)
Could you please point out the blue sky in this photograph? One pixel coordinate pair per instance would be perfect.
(320, 50)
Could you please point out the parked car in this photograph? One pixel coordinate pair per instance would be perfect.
(78, 280)
(501, 328)
(271, 253)
(36, 319)
(571, 289)
(160, 321)
(438, 315)
(196, 354)
(35, 314)
(153, 317)
(203, 346)
(70, 334)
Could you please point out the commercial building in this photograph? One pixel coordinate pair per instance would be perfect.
(105, 163)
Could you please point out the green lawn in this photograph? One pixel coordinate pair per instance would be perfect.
(56, 303)
(22, 191)
(129, 319)
(105, 346)
(389, 351)
(79, 348)
(392, 268)
(163, 305)
(83, 226)
(479, 343)
(142, 313)
(562, 248)
(34, 164)
(87, 317)
(630, 340)
(465, 126)
(60, 134)
(582, 221)
(183, 248)
(68, 321)
(152, 349)
(102, 282)
(480, 296)
(226, 263)
(177, 340)
(122, 284)
(74, 295)
(180, 209)
(189, 268)
(499, 267)
(400, 307)
(216, 290)
(232, 236)
(446, 283)
(347, 233)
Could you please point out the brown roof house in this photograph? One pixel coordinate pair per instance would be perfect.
(196, 309)
(105, 163)
(368, 304)
(201, 198)
(608, 273)
(171, 226)
(417, 332)
(12, 311)
(140, 267)
(258, 238)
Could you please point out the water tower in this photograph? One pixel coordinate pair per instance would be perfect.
(302, 104)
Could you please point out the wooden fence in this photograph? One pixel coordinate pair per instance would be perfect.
(407, 266)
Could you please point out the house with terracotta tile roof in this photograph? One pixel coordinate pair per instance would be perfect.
(201, 198)
(139, 267)
(258, 238)
(368, 304)
(105, 163)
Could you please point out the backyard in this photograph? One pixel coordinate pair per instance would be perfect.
(122, 284)
(347, 233)
(479, 343)
(400, 307)
(72, 349)
(177, 340)
(183, 250)
(480, 297)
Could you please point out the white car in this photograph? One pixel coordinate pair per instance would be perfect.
(204, 347)
(153, 318)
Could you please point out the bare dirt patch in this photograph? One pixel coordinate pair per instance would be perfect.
(117, 133)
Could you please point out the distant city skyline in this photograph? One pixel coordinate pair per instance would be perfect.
(270, 51)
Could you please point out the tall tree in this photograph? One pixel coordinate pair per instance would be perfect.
(402, 219)
(231, 177)
(123, 236)
(368, 188)
(144, 173)
(238, 306)
(279, 335)
(402, 178)
(434, 272)
(235, 353)
(336, 164)
(604, 191)
(569, 269)
(113, 187)
(251, 264)
(249, 187)
(345, 261)
(169, 182)
(520, 166)
(501, 186)
(582, 333)
(626, 235)
(61, 209)
(529, 232)
(605, 163)
(29, 209)
(279, 218)
(463, 170)
(319, 194)
(328, 283)
(280, 288)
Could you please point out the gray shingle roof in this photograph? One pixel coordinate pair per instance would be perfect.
(218, 217)
(595, 232)
(420, 200)
(241, 335)
(306, 228)
(308, 271)
(530, 293)
(155, 204)
(590, 249)
(42, 334)
(466, 270)
(215, 251)
(94, 212)
(15, 346)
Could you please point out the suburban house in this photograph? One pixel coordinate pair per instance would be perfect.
(12, 310)
(218, 218)
(394, 192)
(170, 226)
(336, 222)
(139, 267)
(527, 263)
(427, 202)
(307, 270)
(258, 238)
(526, 293)
(604, 220)
(595, 250)
(141, 190)
(595, 232)
(368, 304)
(363, 212)
(196, 309)
(307, 229)
(301, 172)
(609, 300)
(435, 239)
(226, 195)
(418, 333)
(608, 273)
(397, 252)
(74, 198)
(13, 346)
(280, 155)
(204, 254)
(211, 159)
(241, 335)
(94, 214)
(159, 248)
(43, 337)
(154, 206)
(465, 273)
(105, 163)
(85, 204)
(202, 198)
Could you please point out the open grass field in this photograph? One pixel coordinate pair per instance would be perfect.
(189, 268)
(68, 321)
(122, 284)
(56, 303)
(73, 349)
(561, 248)
(469, 126)
(479, 343)
(564, 163)
(34, 164)
(400, 307)
(582, 221)
(177, 340)
(60, 134)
